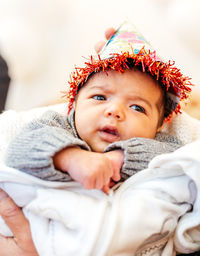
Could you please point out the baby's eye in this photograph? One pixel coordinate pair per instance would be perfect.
(99, 97)
(138, 108)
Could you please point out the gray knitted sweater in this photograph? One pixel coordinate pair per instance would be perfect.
(32, 149)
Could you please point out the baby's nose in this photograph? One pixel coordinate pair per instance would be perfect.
(116, 111)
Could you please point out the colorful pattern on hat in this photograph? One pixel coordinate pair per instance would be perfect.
(126, 45)
(126, 39)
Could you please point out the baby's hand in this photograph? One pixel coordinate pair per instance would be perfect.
(116, 157)
(93, 170)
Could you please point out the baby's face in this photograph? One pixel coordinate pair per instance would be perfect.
(118, 106)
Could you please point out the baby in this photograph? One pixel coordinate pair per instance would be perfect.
(117, 104)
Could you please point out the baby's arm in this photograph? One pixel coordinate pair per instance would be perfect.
(91, 169)
(138, 152)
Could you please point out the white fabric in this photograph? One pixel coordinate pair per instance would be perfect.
(69, 220)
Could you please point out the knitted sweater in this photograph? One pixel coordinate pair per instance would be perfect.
(31, 151)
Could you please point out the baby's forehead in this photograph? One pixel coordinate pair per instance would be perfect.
(133, 75)
(131, 81)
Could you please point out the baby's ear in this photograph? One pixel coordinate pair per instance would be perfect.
(160, 127)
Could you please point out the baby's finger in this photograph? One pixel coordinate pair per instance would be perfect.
(106, 176)
(116, 175)
(106, 189)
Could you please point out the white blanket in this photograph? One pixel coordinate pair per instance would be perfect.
(155, 212)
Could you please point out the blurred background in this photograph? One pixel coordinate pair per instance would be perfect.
(42, 40)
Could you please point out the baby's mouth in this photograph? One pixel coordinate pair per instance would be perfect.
(109, 134)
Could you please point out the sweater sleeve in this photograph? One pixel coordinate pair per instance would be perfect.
(138, 152)
(31, 151)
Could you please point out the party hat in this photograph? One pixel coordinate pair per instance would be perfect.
(128, 47)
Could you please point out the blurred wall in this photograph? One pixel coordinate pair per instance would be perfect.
(42, 40)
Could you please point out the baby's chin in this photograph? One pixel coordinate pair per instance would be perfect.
(99, 148)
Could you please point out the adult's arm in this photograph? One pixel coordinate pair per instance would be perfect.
(21, 244)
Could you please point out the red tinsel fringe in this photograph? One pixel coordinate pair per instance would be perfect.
(169, 75)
